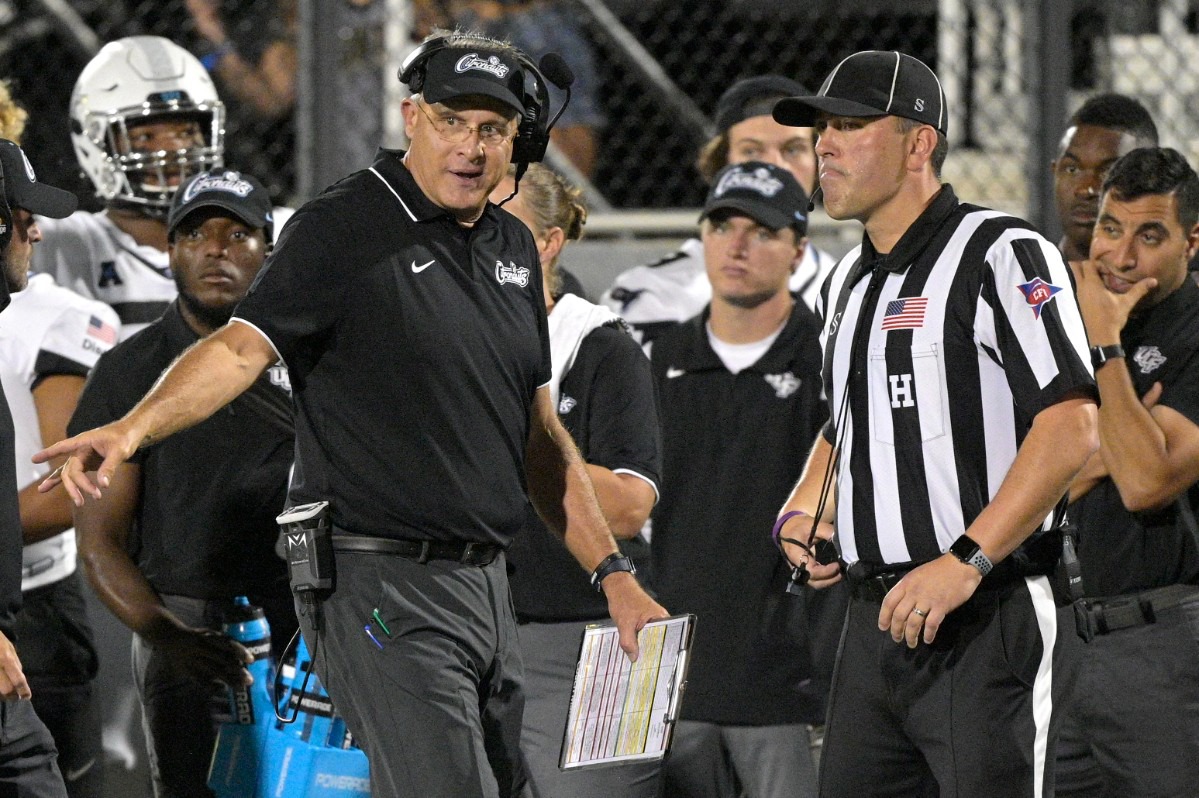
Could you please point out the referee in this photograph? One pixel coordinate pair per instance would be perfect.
(962, 405)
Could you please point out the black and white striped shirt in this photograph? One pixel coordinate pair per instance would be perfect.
(970, 328)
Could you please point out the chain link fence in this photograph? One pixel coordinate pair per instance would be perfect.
(650, 72)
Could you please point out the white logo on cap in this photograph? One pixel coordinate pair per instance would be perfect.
(28, 167)
(491, 64)
(230, 182)
(919, 104)
(760, 180)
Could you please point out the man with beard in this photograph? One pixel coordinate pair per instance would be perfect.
(188, 524)
(1100, 131)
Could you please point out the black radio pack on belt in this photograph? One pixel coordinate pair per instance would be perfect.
(307, 536)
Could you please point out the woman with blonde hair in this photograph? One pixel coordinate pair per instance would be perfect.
(603, 389)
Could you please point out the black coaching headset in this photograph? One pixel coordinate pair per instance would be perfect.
(533, 135)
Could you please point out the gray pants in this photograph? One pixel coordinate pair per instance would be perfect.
(551, 652)
(178, 712)
(1132, 725)
(27, 755)
(436, 704)
(707, 760)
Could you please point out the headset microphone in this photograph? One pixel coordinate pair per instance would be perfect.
(558, 73)
(812, 199)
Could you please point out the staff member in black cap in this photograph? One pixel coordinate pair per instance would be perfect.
(28, 765)
(962, 405)
(741, 404)
(187, 525)
(657, 296)
(409, 311)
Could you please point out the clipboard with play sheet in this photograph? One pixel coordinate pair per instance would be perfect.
(623, 711)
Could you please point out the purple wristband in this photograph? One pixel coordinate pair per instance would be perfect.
(778, 525)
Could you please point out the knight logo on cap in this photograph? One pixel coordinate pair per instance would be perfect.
(471, 61)
(230, 182)
(759, 180)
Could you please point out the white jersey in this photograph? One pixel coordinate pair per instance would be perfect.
(676, 288)
(47, 330)
(90, 255)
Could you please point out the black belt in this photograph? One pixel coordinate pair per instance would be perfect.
(419, 550)
(1104, 615)
(872, 583)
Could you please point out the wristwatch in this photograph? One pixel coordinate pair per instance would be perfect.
(609, 565)
(1102, 354)
(969, 552)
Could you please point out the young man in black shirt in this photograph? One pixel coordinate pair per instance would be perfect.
(741, 404)
(410, 314)
(189, 524)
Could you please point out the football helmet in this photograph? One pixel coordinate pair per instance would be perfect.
(143, 79)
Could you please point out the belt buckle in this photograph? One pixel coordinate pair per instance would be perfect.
(425, 547)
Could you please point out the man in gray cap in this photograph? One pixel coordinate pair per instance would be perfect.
(672, 289)
(962, 405)
(409, 312)
(28, 757)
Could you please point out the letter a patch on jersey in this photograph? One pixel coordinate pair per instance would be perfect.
(1037, 293)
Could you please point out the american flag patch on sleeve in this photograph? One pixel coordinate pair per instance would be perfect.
(905, 314)
(97, 328)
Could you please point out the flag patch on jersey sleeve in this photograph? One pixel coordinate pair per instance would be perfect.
(905, 314)
(1037, 293)
(101, 331)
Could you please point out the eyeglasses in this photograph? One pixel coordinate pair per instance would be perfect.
(452, 129)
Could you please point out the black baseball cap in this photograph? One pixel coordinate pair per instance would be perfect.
(240, 194)
(872, 83)
(21, 189)
(461, 71)
(768, 194)
(752, 97)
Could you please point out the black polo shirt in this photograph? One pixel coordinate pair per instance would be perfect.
(606, 402)
(415, 348)
(734, 446)
(1122, 552)
(11, 533)
(205, 525)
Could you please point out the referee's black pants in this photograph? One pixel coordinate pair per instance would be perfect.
(435, 700)
(974, 715)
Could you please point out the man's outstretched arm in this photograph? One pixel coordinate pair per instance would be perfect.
(205, 378)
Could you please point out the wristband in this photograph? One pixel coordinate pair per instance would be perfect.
(967, 550)
(778, 526)
(609, 565)
(1102, 354)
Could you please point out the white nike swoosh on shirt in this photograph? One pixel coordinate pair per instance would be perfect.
(672, 372)
(418, 269)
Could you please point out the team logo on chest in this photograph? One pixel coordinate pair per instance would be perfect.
(1037, 293)
(784, 384)
(511, 273)
(1149, 359)
(566, 404)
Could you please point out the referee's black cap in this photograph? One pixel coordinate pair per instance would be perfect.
(752, 97)
(236, 192)
(768, 194)
(872, 83)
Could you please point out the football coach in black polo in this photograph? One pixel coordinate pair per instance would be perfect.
(409, 312)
